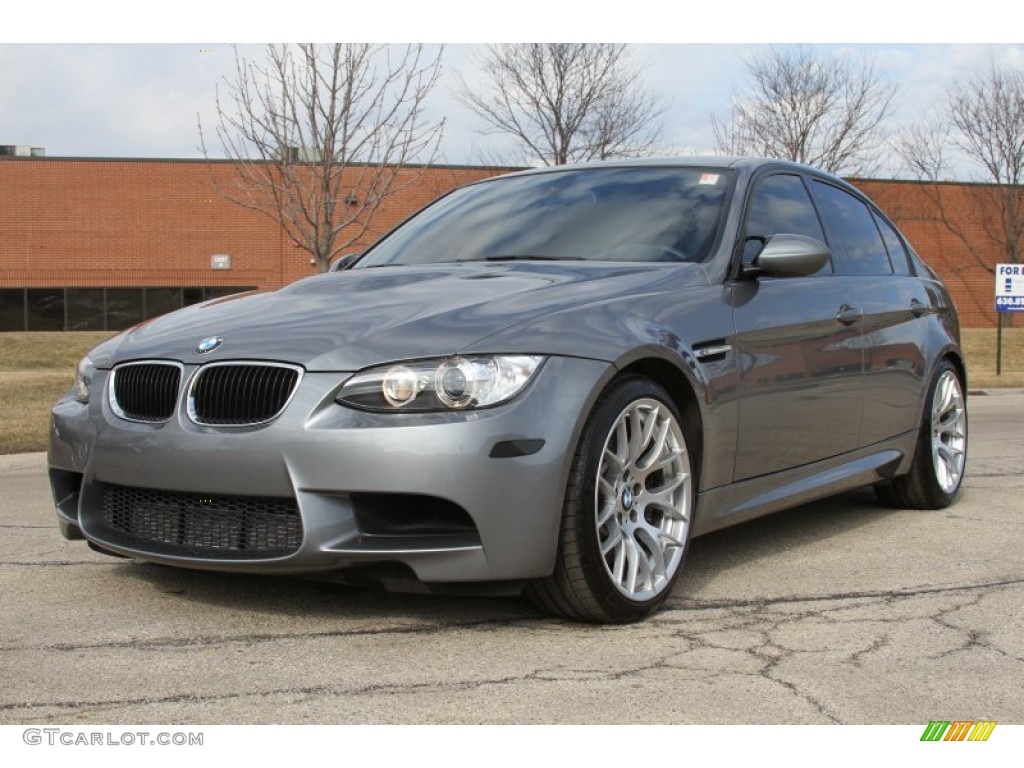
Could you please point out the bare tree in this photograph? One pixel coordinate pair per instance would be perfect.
(321, 135)
(923, 148)
(987, 113)
(982, 124)
(566, 102)
(825, 112)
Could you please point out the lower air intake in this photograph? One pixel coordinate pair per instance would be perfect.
(198, 525)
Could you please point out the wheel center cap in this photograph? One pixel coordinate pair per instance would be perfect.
(627, 498)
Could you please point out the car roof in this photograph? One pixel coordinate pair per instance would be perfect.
(747, 164)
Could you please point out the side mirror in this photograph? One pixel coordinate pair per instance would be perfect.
(790, 256)
(345, 262)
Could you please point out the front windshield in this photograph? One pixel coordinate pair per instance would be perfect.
(595, 214)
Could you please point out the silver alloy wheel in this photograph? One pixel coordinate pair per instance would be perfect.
(949, 433)
(643, 499)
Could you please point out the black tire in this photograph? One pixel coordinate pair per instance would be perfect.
(940, 456)
(647, 507)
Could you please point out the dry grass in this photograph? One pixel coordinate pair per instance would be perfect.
(46, 351)
(36, 369)
(25, 408)
(980, 350)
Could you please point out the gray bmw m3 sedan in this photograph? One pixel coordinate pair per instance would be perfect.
(548, 381)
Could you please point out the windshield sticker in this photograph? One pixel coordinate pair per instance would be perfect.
(709, 178)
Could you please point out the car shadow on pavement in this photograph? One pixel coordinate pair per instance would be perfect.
(310, 600)
(833, 520)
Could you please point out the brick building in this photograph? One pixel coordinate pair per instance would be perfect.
(93, 244)
(970, 210)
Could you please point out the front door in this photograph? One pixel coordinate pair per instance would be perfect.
(799, 342)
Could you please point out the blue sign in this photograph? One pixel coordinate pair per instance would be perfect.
(1009, 287)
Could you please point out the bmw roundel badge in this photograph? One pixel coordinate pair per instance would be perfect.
(208, 345)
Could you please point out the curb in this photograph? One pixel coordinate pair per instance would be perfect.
(15, 461)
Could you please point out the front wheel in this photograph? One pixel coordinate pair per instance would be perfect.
(941, 454)
(627, 511)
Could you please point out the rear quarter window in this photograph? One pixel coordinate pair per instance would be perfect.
(894, 245)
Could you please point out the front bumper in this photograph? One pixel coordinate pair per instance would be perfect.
(505, 467)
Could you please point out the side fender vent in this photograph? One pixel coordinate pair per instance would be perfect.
(711, 351)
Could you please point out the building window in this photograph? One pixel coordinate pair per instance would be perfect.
(85, 309)
(96, 309)
(191, 296)
(12, 309)
(124, 308)
(160, 301)
(45, 309)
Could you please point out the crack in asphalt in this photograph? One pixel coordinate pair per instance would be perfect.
(764, 622)
(768, 652)
(657, 620)
(763, 618)
(164, 643)
(795, 690)
(50, 563)
(974, 638)
(878, 644)
(317, 690)
(758, 602)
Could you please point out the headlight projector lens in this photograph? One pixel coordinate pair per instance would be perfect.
(455, 383)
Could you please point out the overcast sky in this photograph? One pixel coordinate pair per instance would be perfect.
(125, 99)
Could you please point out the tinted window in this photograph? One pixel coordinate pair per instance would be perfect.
(855, 239)
(893, 244)
(162, 300)
(780, 205)
(615, 214)
(124, 307)
(95, 309)
(12, 309)
(191, 296)
(85, 309)
(45, 309)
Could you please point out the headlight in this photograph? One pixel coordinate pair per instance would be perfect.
(449, 384)
(83, 379)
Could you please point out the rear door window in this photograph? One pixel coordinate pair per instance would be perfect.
(855, 240)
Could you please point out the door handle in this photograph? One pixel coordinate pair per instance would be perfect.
(848, 315)
(917, 308)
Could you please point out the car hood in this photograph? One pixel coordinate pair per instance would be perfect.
(346, 321)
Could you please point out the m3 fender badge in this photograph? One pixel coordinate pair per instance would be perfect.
(208, 344)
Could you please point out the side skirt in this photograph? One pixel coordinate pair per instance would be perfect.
(732, 504)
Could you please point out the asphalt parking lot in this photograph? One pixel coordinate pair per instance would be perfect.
(836, 612)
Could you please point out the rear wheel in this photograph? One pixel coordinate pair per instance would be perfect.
(941, 455)
(627, 511)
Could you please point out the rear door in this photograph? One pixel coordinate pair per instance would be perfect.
(870, 255)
